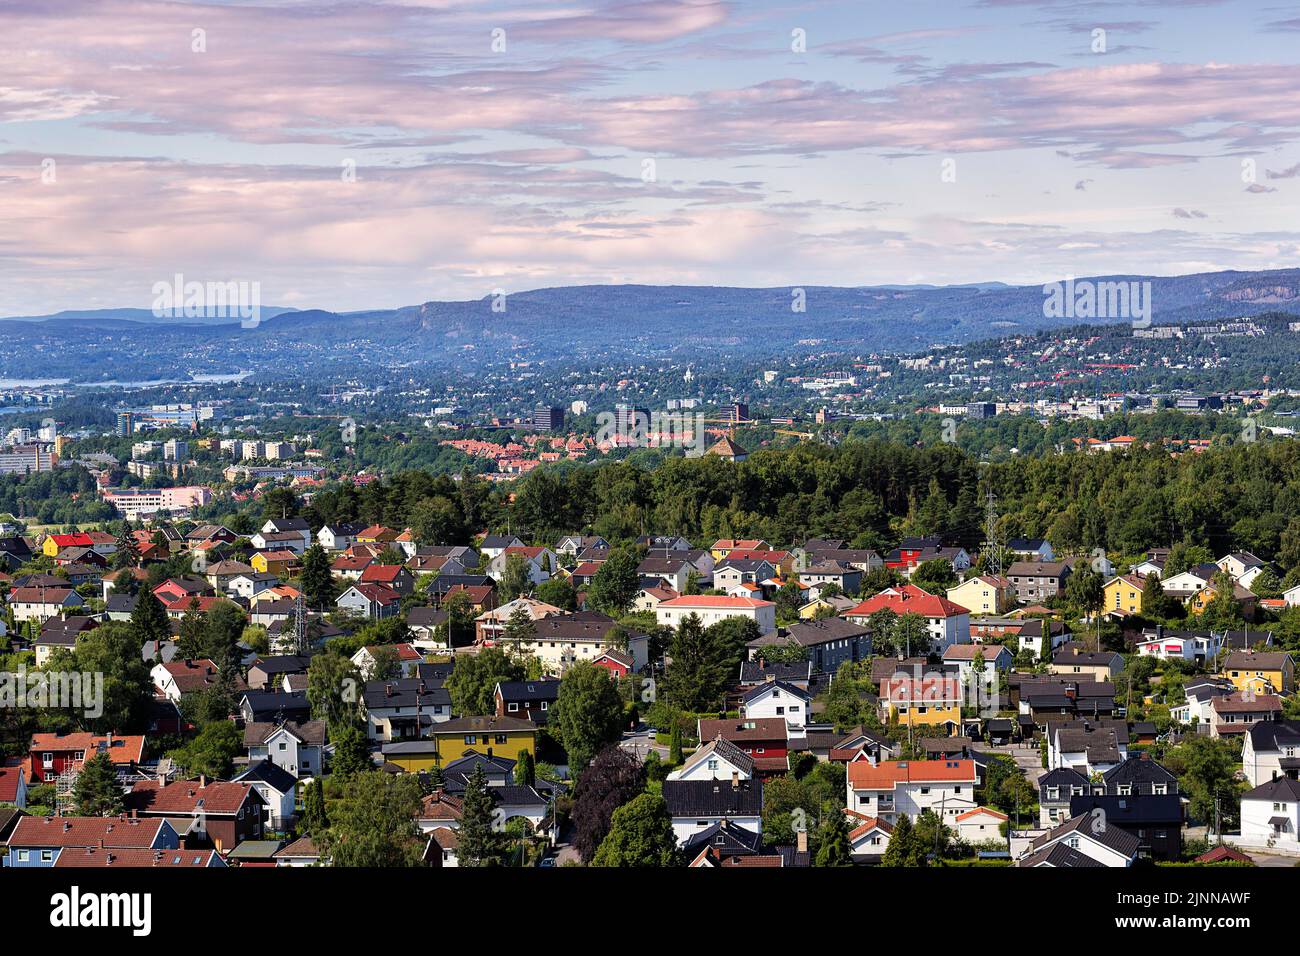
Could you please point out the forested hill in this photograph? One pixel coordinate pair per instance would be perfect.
(600, 321)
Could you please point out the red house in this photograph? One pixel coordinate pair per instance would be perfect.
(51, 754)
(910, 550)
(764, 738)
(225, 813)
(616, 662)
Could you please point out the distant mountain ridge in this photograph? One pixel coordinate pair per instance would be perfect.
(632, 321)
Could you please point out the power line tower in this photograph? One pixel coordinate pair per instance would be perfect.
(299, 632)
(991, 533)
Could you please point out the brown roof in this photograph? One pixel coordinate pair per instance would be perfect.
(96, 856)
(223, 797)
(118, 831)
(744, 729)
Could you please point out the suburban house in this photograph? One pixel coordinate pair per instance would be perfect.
(930, 701)
(716, 759)
(892, 787)
(564, 639)
(1031, 635)
(1261, 672)
(1074, 658)
(696, 805)
(372, 601)
(1075, 843)
(1036, 581)
(1271, 749)
(52, 754)
(526, 699)
(710, 609)
(40, 841)
(404, 707)
(1270, 814)
(947, 623)
(984, 594)
(1031, 549)
(765, 739)
(222, 812)
(296, 748)
(776, 698)
(830, 642)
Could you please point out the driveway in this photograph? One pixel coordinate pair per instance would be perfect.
(1028, 759)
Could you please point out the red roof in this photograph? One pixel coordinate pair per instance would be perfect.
(382, 573)
(377, 593)
(907, 599)
(715, 600)
(95, 856)
(217, 796)
(119, 749)
(50, 595)
(72, 540)
(887, 774)
(116, 831)
(9, 784)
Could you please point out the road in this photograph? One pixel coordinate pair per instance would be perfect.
(1028, 759)
(639, 743)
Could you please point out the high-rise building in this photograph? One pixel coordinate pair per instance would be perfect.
(629, 420)
(125, 423)
(548, 418)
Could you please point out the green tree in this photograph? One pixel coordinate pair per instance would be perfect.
(558, 592)
(316, 579)
(375, 822)
(473, 681)
(640, 834)
(97, 792)
(351, 752)
(905, 846)
(211, 753)
(833, 846)
(334, 689)
(587, 714)
(478, 844)
(616, 583)
(315, 819)
(149, 619)
(525, 771)
(515, 579)
(699, 670)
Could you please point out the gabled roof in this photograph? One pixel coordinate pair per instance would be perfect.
(888, 774)
(908, 599)
(713, 798)
(271, 774)
(222, 797)
(723, 749)
(1114, 838)
(118, 831)
(763, 689)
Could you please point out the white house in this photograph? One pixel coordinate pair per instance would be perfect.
(277, 788)
(294, 748)
(1243, 567)
(1271, 749)
(339, 536)
(696, 805)
(1270, 814)
(893, 787)
(711, 609)
(539, 562)
(869, 838)
(1180, 645)
(1079, 842)
(776, 698)
(981, 825)
(1087, 747)
(718, 759)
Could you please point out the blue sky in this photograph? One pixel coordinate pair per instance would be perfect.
(609, 142)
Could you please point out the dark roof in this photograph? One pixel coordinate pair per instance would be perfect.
(810, 633)
(713, 798)
(726, 839)
(120, 603)
(759, 690)
(1272, 735)
(403, 692)
(757, 671)
(529, 690)
(282, 664)
(273, 775)
(1138, 769)
(1132, 810)
(425, 616)
(269, 703)
(1060, 855)
(1114, 838)
(1281, 789)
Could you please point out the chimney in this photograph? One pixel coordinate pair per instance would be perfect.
(388, 690)
(203, 780)
(735, 779)
(801, 841)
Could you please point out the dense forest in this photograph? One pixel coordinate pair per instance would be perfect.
(1243, 496)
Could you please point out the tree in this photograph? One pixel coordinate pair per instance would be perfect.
(473, 681)
(520, 630)
(212, 752)
(587, 713)
(884, 628)
(375, 822)
(460, 617)
(612, 779)
(558, 592)
(616, 583)
(640, 834)
(333, 689)
(351, 752)
(525, 770)
(149, 619)
(912, 634)
(478, 844)
(905, 846)
(833, 847)
(935, 575)
(127, 551)
(97, 792)
(315, 820)
(699, 670)
(316, 579)
(515, 579)
(112, 649)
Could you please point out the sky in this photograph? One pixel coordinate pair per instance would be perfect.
(360, 155)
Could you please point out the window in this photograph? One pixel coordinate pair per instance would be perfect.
(471, 739)
(47, 856)
(501, 738)
(513, 708)
(23, 856)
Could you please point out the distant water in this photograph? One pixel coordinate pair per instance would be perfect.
(194, 379)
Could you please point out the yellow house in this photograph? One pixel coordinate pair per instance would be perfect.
(1198, 602)
(984, 594)
(280, 563)
(928, 702)
(494, 736)
(1271, 672)
(1124, 593)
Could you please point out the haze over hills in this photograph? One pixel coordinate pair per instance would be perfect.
(632, 321)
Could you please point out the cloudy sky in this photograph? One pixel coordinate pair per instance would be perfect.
(368, 154)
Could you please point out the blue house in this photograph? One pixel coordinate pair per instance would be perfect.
(38, 841)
